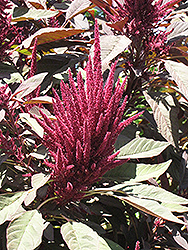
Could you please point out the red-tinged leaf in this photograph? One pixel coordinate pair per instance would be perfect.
(110, 2)
(119, 24)
(78, 7)
(40, 99)
(180, 240)
(105, 5)
(165, 117)
(47, 35)
(172, 3)
(2, 114)
(179, 54)
(37, 5)
(29, 85)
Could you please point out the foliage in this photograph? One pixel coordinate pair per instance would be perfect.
(93, 125)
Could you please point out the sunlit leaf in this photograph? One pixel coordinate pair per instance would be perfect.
(77, 7)
(23, 14)
(25, 232)
(40, 99)
(29, 85)
(151, 207)
(179, 30)
(178, 72)
(9, 204)
(142, 148)
(78, 236)
(40, 152)
(138, 172)
(111, 46)
(2, 114)
(37, 4)
(37, 181)
(151, 192)
(25, 117)
(174, 207)
(165, 115)
(47, 35)
(180, 240)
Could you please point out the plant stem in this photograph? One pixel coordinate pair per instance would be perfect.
(46, 201)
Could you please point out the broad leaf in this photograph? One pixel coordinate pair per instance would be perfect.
(81, 22)
(29, 85)
(174, 207)
(37, 181)
(2, 114)
(37, 4)
(6, 70)
(111, 46)
(138, 172)
(142, 148)
(23, 14)
(25, 232)
(25, 117)
(47, 35)
(179, 30)
(9, 204)
(165, 115)
(77, 7)
(78, 236)
(119, 25)
(105, 4)
(152, 192)
(180, 240)
(151, 207)
(178, 72)
(40, 99)
(113, 245)
(41, 152)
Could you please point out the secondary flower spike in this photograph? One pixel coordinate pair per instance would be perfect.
(88, 122)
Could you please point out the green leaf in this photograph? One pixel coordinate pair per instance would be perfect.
(23, 14)
(173, 207)
(138, 172)
(9, 204)
(78, 236)
(151, 207)
(25, 232)
(142, 148)
(153, 192)
(147, 171)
